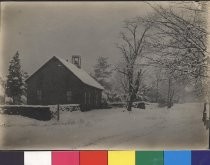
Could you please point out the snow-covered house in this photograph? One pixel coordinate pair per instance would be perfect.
(61, 82)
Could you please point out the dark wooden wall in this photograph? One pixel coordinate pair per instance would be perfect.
(54, 80)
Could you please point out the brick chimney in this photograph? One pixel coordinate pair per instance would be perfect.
(76, 60)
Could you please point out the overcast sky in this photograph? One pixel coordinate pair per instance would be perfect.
(40, 30)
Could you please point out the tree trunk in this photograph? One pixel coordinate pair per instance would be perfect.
(169, 93)
(157, 86)
(204, 113)
(130, 102)
(129, 107)
(130, 89)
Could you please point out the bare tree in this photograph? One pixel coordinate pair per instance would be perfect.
(158, 80)
(133, 42)
(179, 38)
(177, 41)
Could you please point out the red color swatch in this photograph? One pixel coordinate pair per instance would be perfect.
(93, 157)
(65, 158)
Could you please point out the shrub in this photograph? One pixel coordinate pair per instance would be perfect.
(162, 103)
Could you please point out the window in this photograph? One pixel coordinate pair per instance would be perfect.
(89, 98)
(96, 98)
(85, 98)
(39, 95)
(69, 96)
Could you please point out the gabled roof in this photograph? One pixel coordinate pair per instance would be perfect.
(79, 73)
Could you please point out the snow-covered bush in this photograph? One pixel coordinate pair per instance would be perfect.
(8, 100)
(23, 100)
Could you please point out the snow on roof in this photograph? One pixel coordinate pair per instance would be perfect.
(81, 74)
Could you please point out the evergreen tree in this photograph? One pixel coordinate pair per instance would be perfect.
(24, 96)
(102, 72)
(15, 85)
(2, 90)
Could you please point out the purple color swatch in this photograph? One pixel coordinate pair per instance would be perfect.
(200, 157)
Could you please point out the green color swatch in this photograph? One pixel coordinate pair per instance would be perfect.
(149, 158)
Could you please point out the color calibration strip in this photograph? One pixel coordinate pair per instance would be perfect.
(105, 157)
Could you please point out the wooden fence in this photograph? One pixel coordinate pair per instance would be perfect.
(38, 112)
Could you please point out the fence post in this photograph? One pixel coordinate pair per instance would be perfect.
(209, 124)
(58, 112)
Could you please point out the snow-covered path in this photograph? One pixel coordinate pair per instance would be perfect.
(154, 128)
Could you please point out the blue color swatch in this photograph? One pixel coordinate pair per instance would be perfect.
(177, 157)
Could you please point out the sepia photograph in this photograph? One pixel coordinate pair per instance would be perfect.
(104, 75)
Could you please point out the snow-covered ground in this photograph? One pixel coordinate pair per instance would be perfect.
(180, 127)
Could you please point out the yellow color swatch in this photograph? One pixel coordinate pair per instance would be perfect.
(121, 157)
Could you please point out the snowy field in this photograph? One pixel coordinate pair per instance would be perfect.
(180, 127)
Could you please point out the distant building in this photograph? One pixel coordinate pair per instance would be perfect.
(61, 82)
